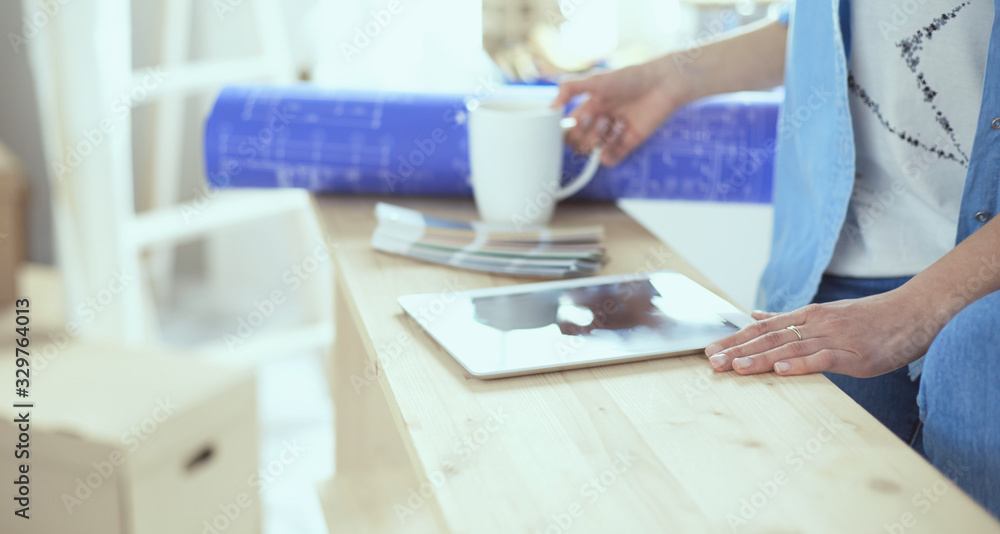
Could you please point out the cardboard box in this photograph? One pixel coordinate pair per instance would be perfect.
(13, 213)
(129, 441)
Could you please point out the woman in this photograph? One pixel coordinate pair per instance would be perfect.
(888, 155)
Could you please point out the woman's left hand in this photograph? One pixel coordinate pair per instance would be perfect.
(859, 337)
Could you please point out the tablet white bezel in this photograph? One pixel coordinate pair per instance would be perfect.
(413, 304)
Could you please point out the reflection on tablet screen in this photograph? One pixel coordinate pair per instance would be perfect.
(559, 324)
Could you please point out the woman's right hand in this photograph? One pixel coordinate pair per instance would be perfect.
(622, 107)
(626, 106)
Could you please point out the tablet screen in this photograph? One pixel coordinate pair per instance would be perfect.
(554, 325)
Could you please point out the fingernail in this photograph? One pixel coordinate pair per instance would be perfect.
(782, 367)
(719, 360)
(601, 124)
(759, 312)
(712, 349)
(741, 363)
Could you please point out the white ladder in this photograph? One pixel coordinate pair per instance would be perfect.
(109, 254)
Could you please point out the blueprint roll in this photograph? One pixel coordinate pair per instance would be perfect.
(718, 149)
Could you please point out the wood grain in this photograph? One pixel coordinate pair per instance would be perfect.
(656, 446)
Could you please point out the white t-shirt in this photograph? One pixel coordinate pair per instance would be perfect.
(915, 83)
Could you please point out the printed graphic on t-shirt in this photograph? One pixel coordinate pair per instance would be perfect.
(915, 82)
(910, 51)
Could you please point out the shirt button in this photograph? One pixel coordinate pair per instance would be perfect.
(995, 124)
(982, 216)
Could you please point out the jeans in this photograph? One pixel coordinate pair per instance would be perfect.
(952, 415)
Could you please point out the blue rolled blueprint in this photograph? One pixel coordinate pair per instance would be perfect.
(719, 148)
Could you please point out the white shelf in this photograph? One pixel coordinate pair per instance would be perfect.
(191, 220)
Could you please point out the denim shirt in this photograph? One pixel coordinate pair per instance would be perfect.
(814, 159)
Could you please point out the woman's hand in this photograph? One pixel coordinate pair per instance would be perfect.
(626, 106)
(859, 337)
(622, 108)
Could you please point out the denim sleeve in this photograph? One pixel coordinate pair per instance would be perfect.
(784, 12)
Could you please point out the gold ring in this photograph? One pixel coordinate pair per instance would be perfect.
(795, 329)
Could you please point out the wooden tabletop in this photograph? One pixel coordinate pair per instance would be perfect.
(665, 445)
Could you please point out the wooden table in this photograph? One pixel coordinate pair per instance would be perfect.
(656, 446)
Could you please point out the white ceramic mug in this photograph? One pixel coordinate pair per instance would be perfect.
(516, 155)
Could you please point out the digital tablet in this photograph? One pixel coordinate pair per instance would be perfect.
(566, 324)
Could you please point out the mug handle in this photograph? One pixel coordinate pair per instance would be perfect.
(588, 172)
